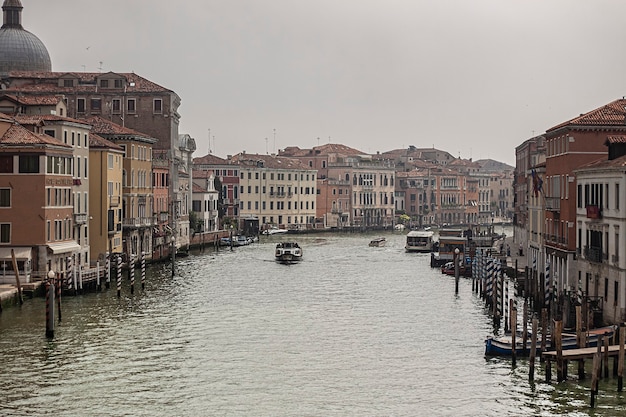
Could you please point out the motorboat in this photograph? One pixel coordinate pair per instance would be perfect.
(378, 242)
(274, 230)
(288, 252)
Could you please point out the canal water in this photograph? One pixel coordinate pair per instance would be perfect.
(352, 330)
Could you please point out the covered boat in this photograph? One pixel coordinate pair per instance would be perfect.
(419, 241)
(288, 252)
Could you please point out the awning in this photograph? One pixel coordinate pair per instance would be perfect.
(20, 253)
(63, 247)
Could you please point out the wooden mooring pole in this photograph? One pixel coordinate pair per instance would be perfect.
(620, 364)
(594, 379)
(17, 278)
(533, 349)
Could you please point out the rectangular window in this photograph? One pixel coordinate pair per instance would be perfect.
(118, 83)
(29, 164)
(49, 132)
(104, 83)
(131, 105)
(68, 83)
(96, 104)
(5, 197)
(110, 161)
(116, 105)
(616, 196)
(6, 164)
(80, 105)
(5, 233)
(158, 106)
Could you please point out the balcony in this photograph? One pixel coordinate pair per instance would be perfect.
(594, 212)
(80, 218)
(164, 217)
(593, 254)
(553, 203)
(139, 222)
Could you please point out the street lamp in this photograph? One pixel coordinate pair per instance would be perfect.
(456, 270)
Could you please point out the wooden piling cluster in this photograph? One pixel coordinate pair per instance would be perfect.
(491, 285)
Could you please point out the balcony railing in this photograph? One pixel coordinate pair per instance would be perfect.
(593, 254)
(553, 203)
(138, 222)
(80, 218)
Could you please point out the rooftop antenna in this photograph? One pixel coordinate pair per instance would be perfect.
(318, 141)
(209, 141)
(100, 67)
(266, 152)
(274, 141)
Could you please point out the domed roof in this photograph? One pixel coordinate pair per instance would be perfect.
(20, 50)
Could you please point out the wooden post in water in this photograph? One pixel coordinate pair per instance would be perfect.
(57, 279)
(17, 278)
(594, 379)
(513, 335)
(525, 329)
(544, 329)
(107, 272)
(50, 309)
(580, 339)
(143, 270)
(456, 270)
(620, 364)
(558, 328)
(606, 355)
(533, 350)
(119, 276)
(599, 353)
(131, 273)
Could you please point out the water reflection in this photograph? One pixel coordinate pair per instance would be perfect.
(351, 331)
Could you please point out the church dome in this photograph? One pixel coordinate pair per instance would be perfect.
(20, 50)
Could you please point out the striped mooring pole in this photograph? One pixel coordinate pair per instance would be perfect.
(143, 270)
(119, 276)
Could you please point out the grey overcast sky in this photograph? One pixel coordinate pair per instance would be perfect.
(473, 77)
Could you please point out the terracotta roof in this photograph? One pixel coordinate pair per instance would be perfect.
(37, 119)
(604, 163)
(49, 100)
(18, 135)
(103, 126)
(99, 142)
(48, 82)
(328, 148)
(197, 189)
(612, 114)
(612, 139)
(200, 173)
(269, 161)
(209, 159)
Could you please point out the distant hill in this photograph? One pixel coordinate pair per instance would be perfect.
(491, 165)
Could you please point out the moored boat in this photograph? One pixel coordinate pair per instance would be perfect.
(419, 241)
(378, 242)
(502, 345)
(288, 252)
